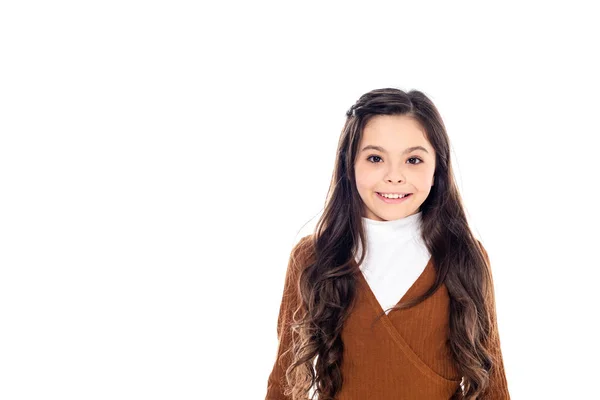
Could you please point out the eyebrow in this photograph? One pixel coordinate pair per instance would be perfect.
(381, 149)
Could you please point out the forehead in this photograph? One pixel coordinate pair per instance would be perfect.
(394, 132)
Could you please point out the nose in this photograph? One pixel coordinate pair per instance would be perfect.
(394, 179)
(394, 174)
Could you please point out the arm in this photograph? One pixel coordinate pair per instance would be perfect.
(498, 389)
(289, 302)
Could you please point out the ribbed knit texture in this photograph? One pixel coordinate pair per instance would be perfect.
(402, 356)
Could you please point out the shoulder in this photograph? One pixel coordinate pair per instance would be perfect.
(298, 261)
(484, 252)
(302, 251)
(300, 256)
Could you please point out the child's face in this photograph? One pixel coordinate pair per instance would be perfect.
(393, 170)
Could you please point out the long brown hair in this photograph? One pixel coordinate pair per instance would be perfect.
(327, 284)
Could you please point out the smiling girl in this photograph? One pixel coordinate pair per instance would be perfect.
(413, 316)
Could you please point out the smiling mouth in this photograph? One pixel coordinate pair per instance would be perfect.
(404, 195)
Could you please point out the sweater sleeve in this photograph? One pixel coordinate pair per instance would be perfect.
(289, 302)
(498, 389)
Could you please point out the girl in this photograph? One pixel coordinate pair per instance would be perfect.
(393, 194)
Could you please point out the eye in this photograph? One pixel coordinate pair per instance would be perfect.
(368, 158)
(412, 158)
(416, 158)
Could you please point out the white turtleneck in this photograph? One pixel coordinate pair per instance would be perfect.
(396, 257)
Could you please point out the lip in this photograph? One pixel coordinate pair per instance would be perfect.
(393, 201)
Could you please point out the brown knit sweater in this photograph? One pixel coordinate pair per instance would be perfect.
(402, 356)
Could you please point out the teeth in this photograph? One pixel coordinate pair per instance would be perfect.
(393, 196)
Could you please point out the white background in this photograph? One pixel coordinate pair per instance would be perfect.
(158, 160)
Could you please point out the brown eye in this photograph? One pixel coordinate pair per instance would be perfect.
(368, 158)
(376, 162)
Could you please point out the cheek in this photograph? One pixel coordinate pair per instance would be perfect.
(369, 180)
(366, 180)
(422, 181)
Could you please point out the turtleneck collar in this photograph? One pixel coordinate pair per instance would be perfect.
(385, 235)
(406, 226)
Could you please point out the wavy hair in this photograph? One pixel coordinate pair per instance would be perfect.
(327, 284)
